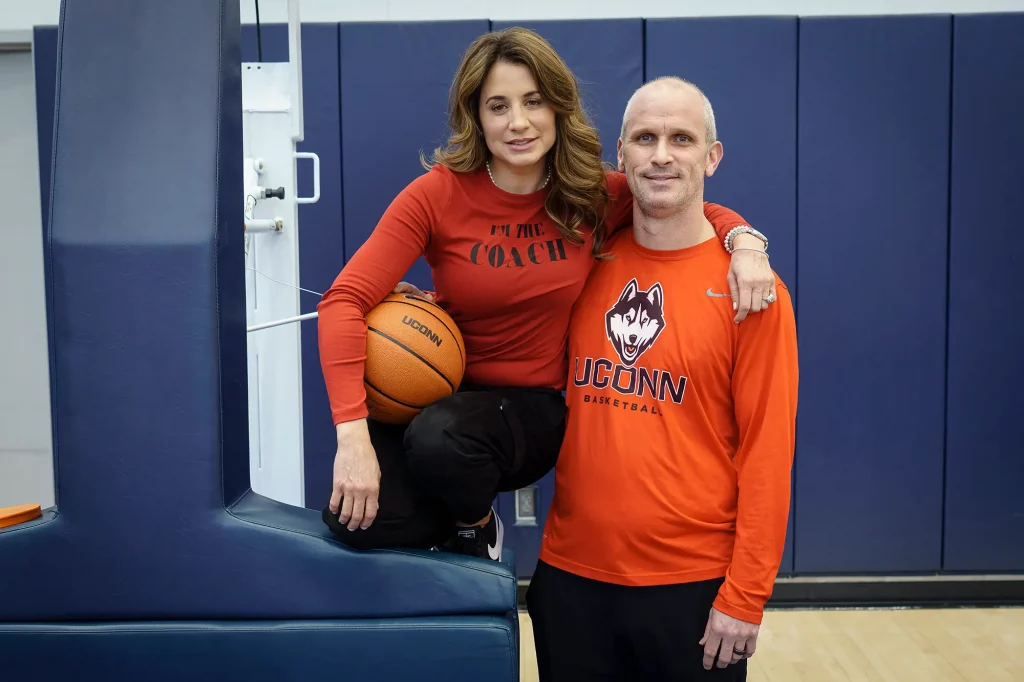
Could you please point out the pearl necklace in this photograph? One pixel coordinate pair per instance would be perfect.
(542, 185)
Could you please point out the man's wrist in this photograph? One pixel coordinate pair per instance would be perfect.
(749, 614)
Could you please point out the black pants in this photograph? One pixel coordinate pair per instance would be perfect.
(589, 631)
(450, 462)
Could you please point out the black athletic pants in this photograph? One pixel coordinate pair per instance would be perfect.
(448, 464)
(589, 631)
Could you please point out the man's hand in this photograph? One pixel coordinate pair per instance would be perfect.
(736, 639)
(751, 280)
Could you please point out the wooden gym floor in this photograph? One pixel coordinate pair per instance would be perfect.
(910, 645)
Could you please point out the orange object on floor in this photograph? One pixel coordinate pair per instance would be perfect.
(12, 516)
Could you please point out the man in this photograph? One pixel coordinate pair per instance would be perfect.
(673, 483)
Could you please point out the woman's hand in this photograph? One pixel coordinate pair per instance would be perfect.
(406, 288)
(751, 280)
(356, 485)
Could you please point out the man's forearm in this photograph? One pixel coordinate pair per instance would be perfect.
(765, 378)
(761, 523)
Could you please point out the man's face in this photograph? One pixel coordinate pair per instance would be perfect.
(664, 151)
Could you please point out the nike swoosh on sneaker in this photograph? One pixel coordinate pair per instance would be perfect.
(494, 551)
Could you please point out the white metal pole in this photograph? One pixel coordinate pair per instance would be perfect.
(295, 61)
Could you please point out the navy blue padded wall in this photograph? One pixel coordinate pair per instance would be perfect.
(757, 176)
(44, 58)
(872, 207)
(321, 238)
(608, 76)
(395, 78)
(984, 523)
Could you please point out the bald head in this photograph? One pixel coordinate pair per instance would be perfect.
(677, 86)
(667, 147)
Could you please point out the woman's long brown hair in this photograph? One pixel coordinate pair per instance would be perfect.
(578, 194)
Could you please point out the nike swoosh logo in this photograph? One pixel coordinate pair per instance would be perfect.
(494, 551)
(711, 293)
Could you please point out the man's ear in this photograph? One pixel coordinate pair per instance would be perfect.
(714, 158)
(622, 166)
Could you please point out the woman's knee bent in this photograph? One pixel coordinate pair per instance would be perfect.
(459, 448)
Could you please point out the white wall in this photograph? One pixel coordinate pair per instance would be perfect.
(26, 454)
(22, 15)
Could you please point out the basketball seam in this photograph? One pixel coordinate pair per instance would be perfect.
(390, 397)
(454, 335)
(416, 355)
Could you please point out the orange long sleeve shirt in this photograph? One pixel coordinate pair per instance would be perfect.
(500, 268)
(681, 429)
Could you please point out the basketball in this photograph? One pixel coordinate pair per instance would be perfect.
(414, 356)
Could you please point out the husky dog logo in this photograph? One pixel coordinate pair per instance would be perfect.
(635, 321)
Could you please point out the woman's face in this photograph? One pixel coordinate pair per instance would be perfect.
(518, 124)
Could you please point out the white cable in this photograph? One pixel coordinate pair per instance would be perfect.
(286, 321)
(308, 291)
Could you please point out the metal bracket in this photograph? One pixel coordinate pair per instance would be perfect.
(526, 506)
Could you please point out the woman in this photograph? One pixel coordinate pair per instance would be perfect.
(510, 217)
